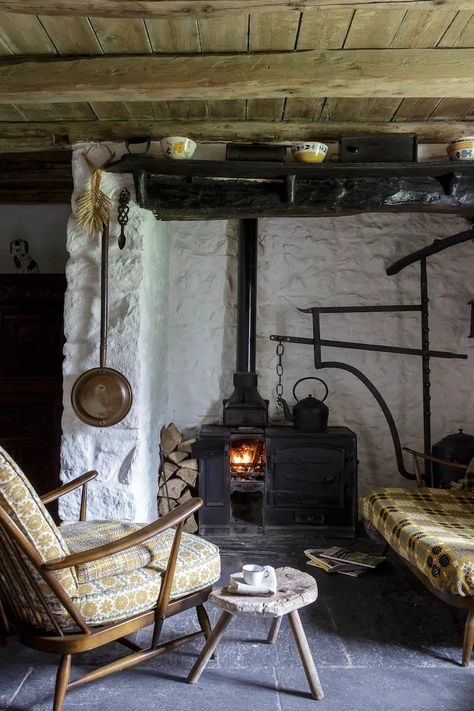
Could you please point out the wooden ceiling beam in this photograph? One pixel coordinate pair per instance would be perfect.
(41, 136)
(334, 73)
(148, 9)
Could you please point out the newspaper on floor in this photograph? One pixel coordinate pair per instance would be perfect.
(342, 561)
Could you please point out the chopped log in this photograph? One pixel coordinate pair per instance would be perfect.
(192, 464)
(170, 438)
(185, 496)
(187, 475)
(168, 470)
(191, 526)
(176, 457)
(186, 444)
(164, 506)
(174, 488)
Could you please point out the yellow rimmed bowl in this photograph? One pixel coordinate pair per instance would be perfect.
(308, 152)
(461, 148)
(178, 147)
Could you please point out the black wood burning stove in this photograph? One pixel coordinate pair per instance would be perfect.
(255, 475)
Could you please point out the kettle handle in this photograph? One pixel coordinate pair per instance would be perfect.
(310, 377)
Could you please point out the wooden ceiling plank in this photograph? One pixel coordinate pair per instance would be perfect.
(219, 36)
(121, 36)
(24, 34)
(111, 110)
(305, 109)
(364, 109)
(324, 29)
(179, 35)
(5, 50)
(18, 136)
(273, 31)
(466, 38)
(9, 112)
(311, 74)
(39, 112)
(265, 109)
(71, 35)
(416, 109)
(373, 28)
(210, 8)
(74, 111)
(161, 109)
(453, 109)
(141, 110)
(422, 28)
(188, 110)
(455, 30)
(227, 109)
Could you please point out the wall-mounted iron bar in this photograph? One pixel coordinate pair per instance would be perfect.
(437, 246)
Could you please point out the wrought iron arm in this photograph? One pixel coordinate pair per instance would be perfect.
(437, 246)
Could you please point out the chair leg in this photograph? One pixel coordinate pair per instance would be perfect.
(306, 656)
(209, 647)
(157, 632)
(468, 639)
(62, 680)
(274, 629)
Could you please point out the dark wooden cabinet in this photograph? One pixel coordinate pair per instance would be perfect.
(31, 354)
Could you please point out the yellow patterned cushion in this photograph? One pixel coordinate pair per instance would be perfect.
(431, 528)
(22, 503)
(198, 563)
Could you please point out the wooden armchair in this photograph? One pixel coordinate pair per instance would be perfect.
(65, 602)
(467, 471)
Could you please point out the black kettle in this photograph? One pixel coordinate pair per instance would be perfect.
(309, 414)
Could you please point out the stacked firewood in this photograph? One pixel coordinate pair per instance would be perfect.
(178, 473)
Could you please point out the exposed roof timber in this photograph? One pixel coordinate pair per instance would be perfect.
(23, 136)
(335, 73)
(170, 8)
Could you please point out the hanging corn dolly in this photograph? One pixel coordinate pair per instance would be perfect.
(93, 206)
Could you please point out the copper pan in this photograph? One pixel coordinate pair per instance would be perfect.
(102, 396)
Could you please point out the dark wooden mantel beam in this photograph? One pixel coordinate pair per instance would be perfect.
(209, 8)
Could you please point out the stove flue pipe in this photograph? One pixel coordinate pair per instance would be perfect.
(247, 296)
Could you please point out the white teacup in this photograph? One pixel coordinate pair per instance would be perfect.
(254, 574)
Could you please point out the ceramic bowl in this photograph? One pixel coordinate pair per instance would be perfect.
(178, 147)
(461, 148)
(309, 152)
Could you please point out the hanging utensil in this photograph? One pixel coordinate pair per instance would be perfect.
(308, 414)
(122, 219)
(102, 397)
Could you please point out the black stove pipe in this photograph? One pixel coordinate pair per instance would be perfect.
(247, 296)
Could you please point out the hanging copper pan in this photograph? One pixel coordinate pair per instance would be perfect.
(102, 396)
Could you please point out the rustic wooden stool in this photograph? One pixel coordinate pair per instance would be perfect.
(294, 590)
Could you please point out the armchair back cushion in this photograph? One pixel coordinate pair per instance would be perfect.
(23, 505)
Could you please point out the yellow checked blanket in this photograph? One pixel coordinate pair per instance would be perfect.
(431, 528)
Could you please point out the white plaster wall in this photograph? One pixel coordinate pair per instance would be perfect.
(332, 262)
(127, 454)
(43, 226)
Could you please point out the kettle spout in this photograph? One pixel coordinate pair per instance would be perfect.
(286, 410)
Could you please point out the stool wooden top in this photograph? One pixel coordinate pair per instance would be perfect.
(295, 589)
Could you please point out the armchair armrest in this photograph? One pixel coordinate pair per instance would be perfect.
(70, 486)
(178, 515)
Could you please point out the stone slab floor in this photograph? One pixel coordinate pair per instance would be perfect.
(380, 642)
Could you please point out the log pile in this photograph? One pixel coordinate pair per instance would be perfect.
(178, 473)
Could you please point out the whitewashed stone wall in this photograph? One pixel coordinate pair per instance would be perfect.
(126, 455)
(172, 331)
(333, 262)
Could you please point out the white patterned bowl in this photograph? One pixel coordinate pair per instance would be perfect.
(461, 148)
(178, 147)
(307, 152)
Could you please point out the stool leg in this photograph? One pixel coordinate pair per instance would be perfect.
(205, 624)
(468, 639)
(306, 657)
(274, 629)
(209, 647)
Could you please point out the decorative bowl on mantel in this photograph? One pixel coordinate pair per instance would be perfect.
(461, 148)
(307, 152)
(178, 147)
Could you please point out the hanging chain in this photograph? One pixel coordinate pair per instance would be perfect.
(280, 349)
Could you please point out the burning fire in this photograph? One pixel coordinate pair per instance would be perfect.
(247, 457)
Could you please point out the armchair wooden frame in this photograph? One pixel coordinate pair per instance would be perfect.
(12, 616)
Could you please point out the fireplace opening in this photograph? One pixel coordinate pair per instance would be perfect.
(246, 509)
(247, 458)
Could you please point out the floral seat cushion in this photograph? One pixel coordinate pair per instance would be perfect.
(198, 563)
(431, 528)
